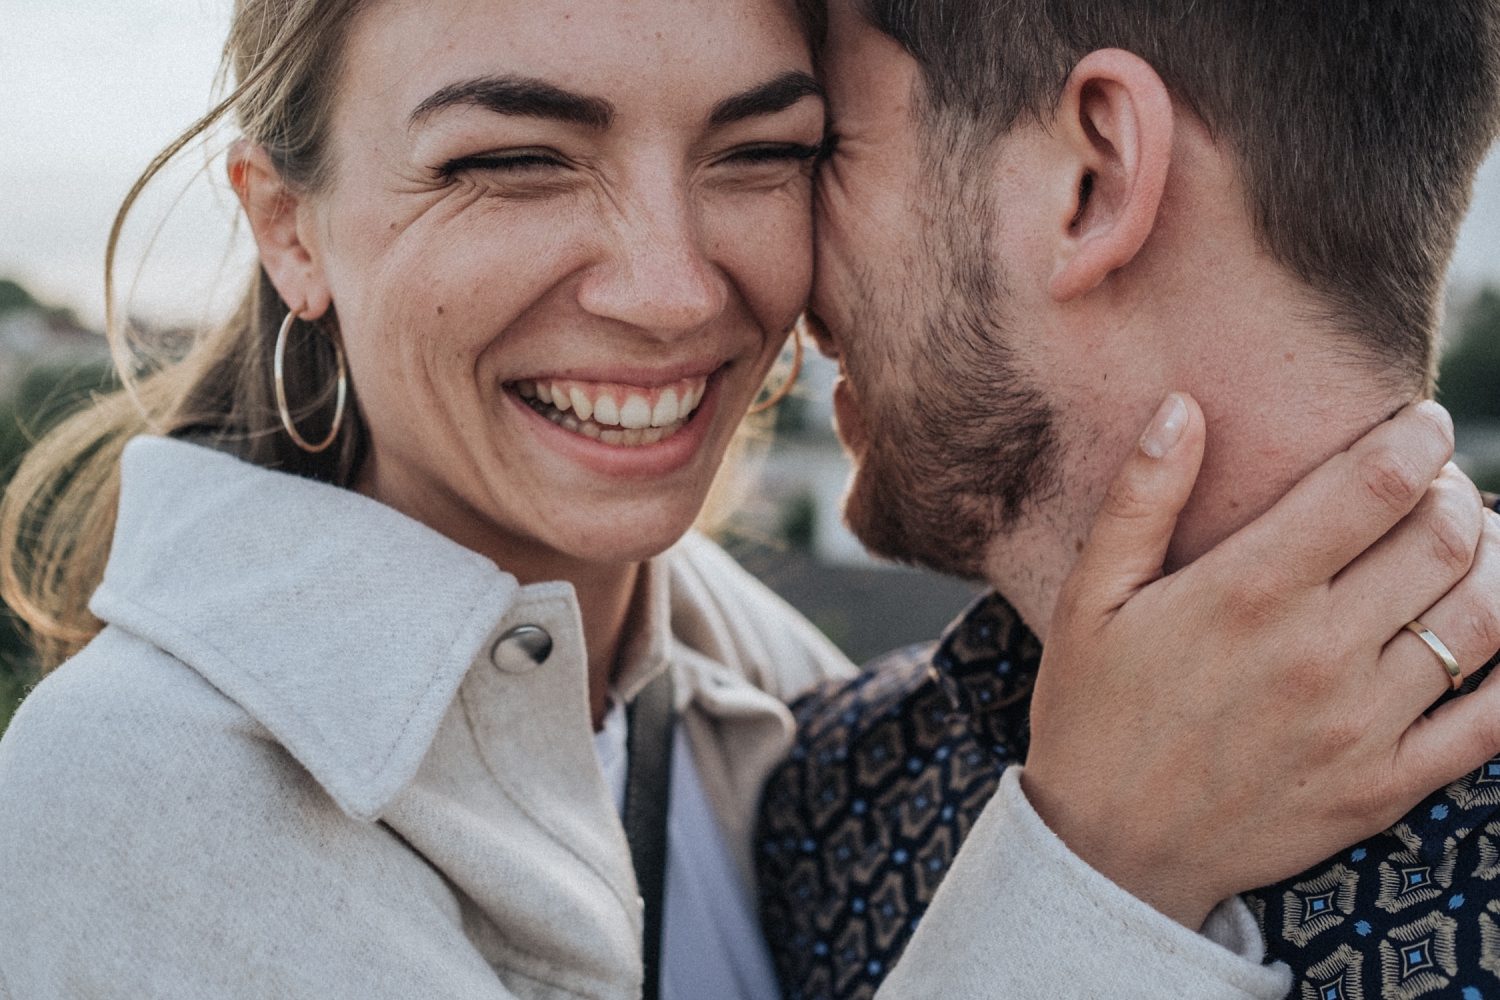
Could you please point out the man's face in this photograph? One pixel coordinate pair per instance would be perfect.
(952, 437)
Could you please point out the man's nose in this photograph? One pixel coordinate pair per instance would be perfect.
(657, 276)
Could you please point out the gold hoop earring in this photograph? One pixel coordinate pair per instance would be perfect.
(278, 365)
(791, 380)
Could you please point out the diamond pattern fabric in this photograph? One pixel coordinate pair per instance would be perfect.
(891, 770)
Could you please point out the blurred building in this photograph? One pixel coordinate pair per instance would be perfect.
(801, 481)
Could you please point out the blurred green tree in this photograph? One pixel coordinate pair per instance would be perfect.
(791, 414)
(799, 522)
(45, 396)
(13, 297)
(1469, 378)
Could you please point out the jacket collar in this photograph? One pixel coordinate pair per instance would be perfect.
(648, 647)
(340, 625)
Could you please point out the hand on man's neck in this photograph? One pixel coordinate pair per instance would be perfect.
(1201, 308)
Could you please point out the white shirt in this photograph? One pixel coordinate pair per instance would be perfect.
(711, 941)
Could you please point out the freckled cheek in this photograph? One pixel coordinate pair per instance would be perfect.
(766, 252)
(445, 294)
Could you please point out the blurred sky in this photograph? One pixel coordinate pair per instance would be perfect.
(90, 90)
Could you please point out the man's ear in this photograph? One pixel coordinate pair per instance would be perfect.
(1114, 123)
(277, 218)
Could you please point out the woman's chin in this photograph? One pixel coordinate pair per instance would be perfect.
(605, 539)
(624, 502)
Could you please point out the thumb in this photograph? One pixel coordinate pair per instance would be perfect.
(1128, 544)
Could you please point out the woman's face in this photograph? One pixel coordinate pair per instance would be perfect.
(564, 240)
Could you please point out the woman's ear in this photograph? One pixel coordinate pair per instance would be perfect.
(277, 218)
(1115, 123)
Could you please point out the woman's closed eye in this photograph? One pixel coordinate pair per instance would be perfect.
(777, 153)
(767, 164)
(517, 162)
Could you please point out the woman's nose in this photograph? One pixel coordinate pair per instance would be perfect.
(658, 276)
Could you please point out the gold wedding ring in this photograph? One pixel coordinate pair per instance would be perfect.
(1435, 644)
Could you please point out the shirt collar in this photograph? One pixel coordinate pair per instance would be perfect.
(987, 660)
(648, 644)
(345, 628)
(337, 623)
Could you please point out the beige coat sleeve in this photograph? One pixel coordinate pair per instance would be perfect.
(171, 850)
(1019, 916)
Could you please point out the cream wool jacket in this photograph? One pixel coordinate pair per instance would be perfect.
(291, 767)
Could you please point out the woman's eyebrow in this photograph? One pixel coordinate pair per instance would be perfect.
(766, 99)
(524, 96)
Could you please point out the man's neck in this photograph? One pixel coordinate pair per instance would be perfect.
(1201, 308)
(1279, 399)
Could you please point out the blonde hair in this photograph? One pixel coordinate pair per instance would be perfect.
(58, 514)
(57, 517)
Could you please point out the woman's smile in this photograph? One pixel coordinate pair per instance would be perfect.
(632, 428)
(614, 413)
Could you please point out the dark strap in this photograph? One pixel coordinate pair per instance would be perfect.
(651, 717)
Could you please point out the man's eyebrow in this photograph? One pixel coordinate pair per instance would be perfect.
(766, 99)
(523, 96)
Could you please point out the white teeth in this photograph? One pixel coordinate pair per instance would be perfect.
(631, 423)
(666, 409)
(636, 413)
(606, 411)
(581, 404)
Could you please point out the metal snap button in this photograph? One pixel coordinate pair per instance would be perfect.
(523, 648)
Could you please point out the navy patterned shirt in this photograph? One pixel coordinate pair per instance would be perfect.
(891, 770)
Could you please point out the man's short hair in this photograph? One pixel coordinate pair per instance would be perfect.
(1357, 124)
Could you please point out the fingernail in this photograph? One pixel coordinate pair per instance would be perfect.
(1166, 427)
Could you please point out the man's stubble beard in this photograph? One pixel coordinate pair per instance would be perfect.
(960, 441)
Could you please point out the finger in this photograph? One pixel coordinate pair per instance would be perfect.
(1450, 742)
(1466, 620)
(1340, 508)
(1416, 563)
(1128, 543)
